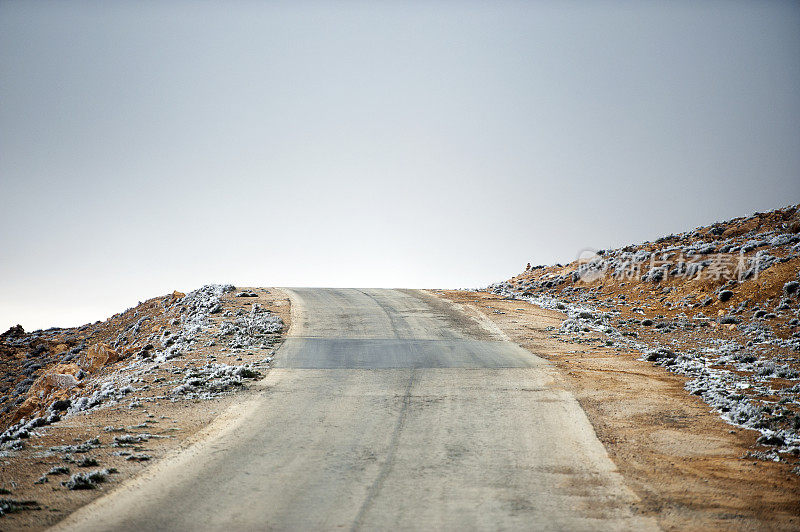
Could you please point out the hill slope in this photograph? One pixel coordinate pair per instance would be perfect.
(719, 304)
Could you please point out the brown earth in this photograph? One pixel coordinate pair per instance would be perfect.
(687, 313)
(172, 424)
(38, 358)
(682, 460)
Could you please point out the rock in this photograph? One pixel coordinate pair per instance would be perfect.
(658, 354)
(61, 405)
(770, 439)
(647, 322)
(98, 356)
(725, 320)
(86, 481)
(725, 295)
(655, 275)
(62, 381)
(138, 458)
(791, 288)
(247, 373)
(38, 350)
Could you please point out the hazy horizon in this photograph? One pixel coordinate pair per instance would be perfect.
(146, 148)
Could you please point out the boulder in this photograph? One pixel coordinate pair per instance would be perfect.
(97, 356)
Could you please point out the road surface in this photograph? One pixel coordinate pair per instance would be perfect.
(388, 410)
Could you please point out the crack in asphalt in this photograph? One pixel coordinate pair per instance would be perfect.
(376, 486)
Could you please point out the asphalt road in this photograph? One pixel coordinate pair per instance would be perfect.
(387, 410)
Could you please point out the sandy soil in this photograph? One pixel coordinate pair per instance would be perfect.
(683, 461)
(172, 426)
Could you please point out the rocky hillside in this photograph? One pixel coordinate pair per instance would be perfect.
(719, 304)
(51, 373)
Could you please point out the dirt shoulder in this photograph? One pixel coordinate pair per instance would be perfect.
(683, 461)
(163, 414)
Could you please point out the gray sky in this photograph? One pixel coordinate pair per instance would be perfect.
(152, 146)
